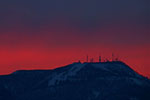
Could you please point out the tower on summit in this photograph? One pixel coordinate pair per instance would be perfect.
(87, 58)
(100, 59)
(112, 57)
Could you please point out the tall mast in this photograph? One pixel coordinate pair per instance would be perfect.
(87, 58)
(100, 59)
(112, 57)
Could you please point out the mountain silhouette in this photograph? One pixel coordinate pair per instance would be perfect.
(78, 81)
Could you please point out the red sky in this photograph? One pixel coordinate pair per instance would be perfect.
(46, 34)
(38, 58)
(54, 48)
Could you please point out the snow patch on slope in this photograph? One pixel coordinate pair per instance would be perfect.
(64, 75)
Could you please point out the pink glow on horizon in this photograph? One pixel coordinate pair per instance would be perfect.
(49, 48)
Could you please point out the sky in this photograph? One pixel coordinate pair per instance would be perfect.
(46, 34)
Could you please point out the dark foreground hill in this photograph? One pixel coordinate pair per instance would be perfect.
(77, 81)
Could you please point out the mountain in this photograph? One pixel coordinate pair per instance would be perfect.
(77, 81)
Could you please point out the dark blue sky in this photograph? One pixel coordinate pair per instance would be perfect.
(81, 13)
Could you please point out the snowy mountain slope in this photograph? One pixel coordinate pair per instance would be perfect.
(77, 81)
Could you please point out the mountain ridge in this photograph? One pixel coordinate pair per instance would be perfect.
(77, 81)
